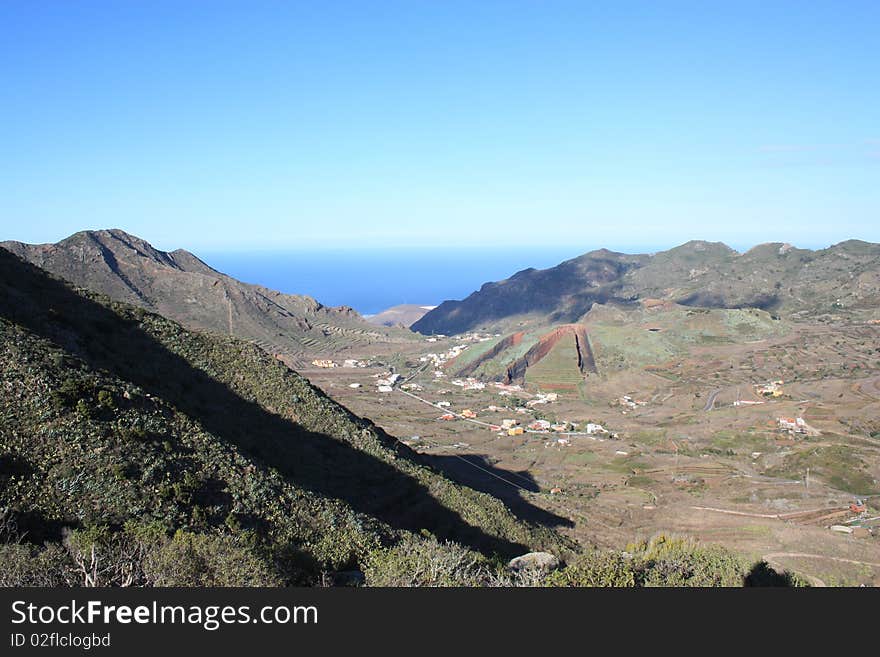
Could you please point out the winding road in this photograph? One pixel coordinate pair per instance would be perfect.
(710, 403)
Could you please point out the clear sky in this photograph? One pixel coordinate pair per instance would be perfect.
(270, 125)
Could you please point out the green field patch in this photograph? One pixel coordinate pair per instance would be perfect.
(581, 458)
(839, 466)
(648, 436)
(626, 464)
(559, 367)
(738, 442)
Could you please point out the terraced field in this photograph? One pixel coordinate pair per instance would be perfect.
(559, 369)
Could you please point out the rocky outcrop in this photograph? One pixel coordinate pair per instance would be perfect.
(541, 561)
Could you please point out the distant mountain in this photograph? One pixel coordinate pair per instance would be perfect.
(180, 286)
(842, 280)
(161, 456)
(404, 315)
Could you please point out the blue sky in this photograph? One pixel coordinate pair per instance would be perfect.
(282, 125)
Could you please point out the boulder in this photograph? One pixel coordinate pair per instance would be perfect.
(534, 560)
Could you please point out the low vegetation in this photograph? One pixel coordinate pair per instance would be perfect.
(135, 452)
(127, 439)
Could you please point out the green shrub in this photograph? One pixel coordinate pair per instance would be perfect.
(208, 560)
(66, 394)
(83, 410)
(671, 561)
(105, 399)
(419, 561)
(26, 565)
(609, 569)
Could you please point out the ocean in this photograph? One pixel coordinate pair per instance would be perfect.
(371, 280)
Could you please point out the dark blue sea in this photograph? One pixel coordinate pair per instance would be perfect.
(372, 280)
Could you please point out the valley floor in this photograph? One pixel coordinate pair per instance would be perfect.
(692, 449)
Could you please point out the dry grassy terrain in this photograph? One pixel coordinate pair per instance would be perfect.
(698, 452)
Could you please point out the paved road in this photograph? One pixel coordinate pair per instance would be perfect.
(710, 403)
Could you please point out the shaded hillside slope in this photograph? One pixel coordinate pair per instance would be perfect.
(119, 424)
(180, 286)
(559, 294)
(840, 281)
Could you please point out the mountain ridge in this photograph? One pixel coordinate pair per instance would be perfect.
(181, 286)
(770, 276)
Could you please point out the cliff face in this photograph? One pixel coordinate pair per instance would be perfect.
(180, 286)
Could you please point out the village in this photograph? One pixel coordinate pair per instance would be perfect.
(760, 462)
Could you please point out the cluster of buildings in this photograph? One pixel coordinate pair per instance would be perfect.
(466, 337)
(511, 427)
(327, 363)
(385, 381)
(469, 383)
(439, 360)
(772, 389)
(542, 398)
(479, 337)
(628, 402)
(591, 428)
(514, 428)
(796, 425)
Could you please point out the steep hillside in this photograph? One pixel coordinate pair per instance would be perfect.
(191, 458)
(840, 281)
(180, 286)
(559, 294)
